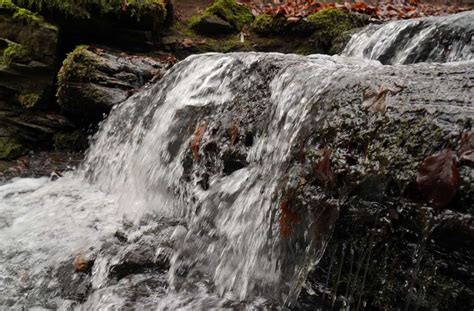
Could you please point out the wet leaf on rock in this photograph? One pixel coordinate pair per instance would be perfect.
(234, 133)
(466, 149)
(196, 139)
(323, 170)
(82, 264)
(288, 218)
(438, 178)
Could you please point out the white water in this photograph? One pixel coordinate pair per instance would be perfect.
(432, 39)
(134, 170)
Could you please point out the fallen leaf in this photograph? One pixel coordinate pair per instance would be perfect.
(81, 263)
(234, 133)
(438, 178)
(466, 148)
(196, 139)
(288, 218)
(323, 170)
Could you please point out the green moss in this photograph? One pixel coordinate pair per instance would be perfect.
(15, 53)
(87, 8)
(74, 141)
(28, 100)
(235, 14)
(268, 24)
(7, 5)
(79, 65)
(23, 15)
(9, 148)
(330, 24)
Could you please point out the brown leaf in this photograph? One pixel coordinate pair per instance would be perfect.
(438, 178)
(466, 148)
(81, 263)
(234, 132)
(196, 139)
(323, 170)
(288, 218)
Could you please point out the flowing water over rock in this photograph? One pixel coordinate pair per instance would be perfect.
(432, 39)
(204, 190)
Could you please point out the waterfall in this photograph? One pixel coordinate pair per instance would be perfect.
(183, 200)
(432, 39)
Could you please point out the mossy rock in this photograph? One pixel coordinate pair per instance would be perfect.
(10, 148)
(15, 53)
(140, 14)
(91, 81)
(70, 141)
(235, 14)
(88, 8)
(330, 24)
(28, 35)
(267, 24)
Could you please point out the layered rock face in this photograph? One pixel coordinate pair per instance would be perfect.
(31, 53)
(91, 81)
(28, 63)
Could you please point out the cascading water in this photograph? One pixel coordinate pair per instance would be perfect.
(165, 218)
(432, 39)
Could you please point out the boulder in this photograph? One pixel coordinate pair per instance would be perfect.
(222, 12)
(28, 47)
(27, 55)
(91, 81)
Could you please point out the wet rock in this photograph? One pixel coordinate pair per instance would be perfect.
(73, 286)
(380, 254)
(22, 130)
(91, 81)
(213, 25)
(233, 161)
(432, 39)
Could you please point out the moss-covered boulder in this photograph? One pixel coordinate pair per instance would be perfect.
(326, 31)
(228, 11)
(129, 22)
(267, 24)
(91, 81)
(330, 25)
(28, 47)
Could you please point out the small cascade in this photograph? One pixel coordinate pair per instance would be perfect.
(214, 187)
(433, 39)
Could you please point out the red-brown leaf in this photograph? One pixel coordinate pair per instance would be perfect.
(233, 133)
(323, 169)
(438, 178)
(288, 218)
(466, 148)
(196, 139)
